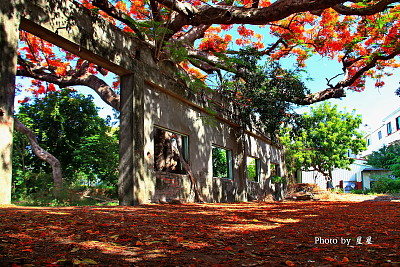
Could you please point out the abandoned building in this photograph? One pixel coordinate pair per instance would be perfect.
(163, 122)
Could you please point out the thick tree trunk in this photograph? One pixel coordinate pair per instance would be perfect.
(41, 153)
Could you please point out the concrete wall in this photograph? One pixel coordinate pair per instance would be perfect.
(164, 109)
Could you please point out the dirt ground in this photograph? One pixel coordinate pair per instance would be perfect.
(361, 232)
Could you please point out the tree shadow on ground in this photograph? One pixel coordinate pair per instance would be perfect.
(239, 234)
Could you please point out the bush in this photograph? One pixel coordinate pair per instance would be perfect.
(361, 192)
(338, 190)
(278, 180)
(76, 196)
(385, 184)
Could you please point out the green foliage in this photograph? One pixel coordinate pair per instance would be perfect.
(252, 169)
(75, 196)
(385, 184)
(220, 163)
(361, 192)
(338, 190)
(263, 95)
(278, 180)
(388, 157)
(325, 140)
(68, 126)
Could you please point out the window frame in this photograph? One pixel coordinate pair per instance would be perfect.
(257, 162)
(185, 146)
(277, 171)
(229, 162)
(389, 128)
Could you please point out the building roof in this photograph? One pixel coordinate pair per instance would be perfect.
(374, 169)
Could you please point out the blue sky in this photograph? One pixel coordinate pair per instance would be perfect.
(373, 104)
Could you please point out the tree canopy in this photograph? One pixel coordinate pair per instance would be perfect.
(203, 37)
(325, 141)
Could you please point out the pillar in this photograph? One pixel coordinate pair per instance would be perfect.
(132, 175)
(9, 34)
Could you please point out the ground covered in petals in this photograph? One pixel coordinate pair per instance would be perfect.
(323, 233)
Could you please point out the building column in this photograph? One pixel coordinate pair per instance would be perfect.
(132, 175)
(9, 34)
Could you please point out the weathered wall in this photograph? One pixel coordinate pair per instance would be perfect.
(164, 108)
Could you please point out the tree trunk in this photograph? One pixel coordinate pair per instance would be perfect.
(42, 154)
(188, 169)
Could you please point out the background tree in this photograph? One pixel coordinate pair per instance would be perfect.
(67, 124)
(262, 94)
(325, 141)
(387, 157)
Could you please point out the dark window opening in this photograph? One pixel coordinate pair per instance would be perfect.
(166, 152)
(222, 162)
(380, 135)
(389, 128)
(398, 123)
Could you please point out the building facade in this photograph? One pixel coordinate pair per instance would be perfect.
(387, 133)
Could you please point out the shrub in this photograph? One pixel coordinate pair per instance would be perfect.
(385, 184)
(278, 180)
(338, 190)
(361, 192)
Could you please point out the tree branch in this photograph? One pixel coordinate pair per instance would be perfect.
(320, 96)
(371, 10)
(370, 65)
(193, 34)
(41, 153)
(80, 76)
(112, 11)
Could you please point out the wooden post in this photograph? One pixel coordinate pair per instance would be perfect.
(9, 34)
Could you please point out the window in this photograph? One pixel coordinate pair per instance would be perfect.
(253, 169)
(275, 169)
(389, 128)
(398, 123)
(380, 135)
(166, 152)
(222, 162)
(368, 142)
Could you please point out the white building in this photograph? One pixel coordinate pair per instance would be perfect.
(346, 179)
(387, 133)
